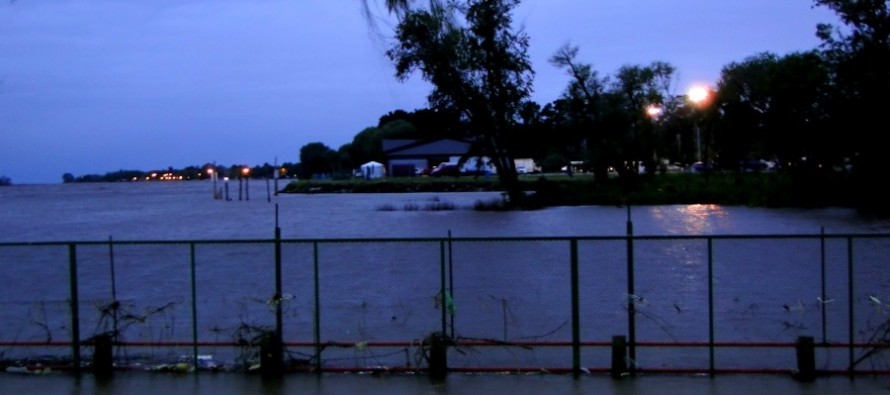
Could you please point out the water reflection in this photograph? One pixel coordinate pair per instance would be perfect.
(692, 219)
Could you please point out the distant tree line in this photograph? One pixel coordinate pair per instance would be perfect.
(286, 170)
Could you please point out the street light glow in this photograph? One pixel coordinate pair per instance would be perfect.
(698, 94)
(654, 110)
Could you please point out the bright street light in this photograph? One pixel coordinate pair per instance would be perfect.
(698, 95)
(654, 111)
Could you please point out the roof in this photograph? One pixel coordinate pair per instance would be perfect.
(415, 148)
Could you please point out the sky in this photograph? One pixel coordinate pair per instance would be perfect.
(94, 86)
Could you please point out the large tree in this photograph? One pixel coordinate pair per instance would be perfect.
(613, 111)
(859, 54)
(582, 106)
(776, 107)
(317, 158)
(478, 66)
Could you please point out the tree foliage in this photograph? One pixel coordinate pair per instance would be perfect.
(859, 56)
(479, 68)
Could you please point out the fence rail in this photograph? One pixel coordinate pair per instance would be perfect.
(620, 304)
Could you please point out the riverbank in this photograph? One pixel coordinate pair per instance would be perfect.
(745, 189)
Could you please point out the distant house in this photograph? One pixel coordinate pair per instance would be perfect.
(404, 157)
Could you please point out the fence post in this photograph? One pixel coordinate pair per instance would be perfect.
(113, 286)
(279, 297)
(631, 297)
(317, 328)
(710, 306)
(824, 296)
(194, 307)
(75, 307)
(451, 279)
(576, 315)
(438, 342)
(851, 327)
(443, 298)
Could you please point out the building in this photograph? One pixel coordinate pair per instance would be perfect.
(405, 157)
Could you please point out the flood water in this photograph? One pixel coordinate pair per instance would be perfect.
(509, 291)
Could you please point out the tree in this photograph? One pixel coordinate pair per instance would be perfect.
(478, 66)
(613, 111)
(776, 107)
(860, 59)
(583, 105)
(633, 89)
(316, 158)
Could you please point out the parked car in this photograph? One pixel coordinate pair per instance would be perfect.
(446, 170)
(699, 167)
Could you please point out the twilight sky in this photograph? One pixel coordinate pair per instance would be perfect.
(92, 86)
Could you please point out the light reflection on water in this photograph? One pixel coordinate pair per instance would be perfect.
(693, 219)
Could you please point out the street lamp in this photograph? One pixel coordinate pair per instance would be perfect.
(698, 95)
(654, 111)
(213, 180)
(246, 173)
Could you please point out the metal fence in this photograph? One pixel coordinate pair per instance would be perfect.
(619, 304)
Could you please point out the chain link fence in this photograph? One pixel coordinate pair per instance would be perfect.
(556, 304)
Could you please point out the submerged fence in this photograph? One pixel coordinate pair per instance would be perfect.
(619, 304)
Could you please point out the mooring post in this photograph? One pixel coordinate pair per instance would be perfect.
(631, 296)
(619, 356)
(806, 358)
(271, 354)
(438, 356)
(103, 362)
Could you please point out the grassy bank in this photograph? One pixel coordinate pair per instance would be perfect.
(748, 189)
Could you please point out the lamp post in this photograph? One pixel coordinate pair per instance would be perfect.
(246, 173)
(654, 112)
(213, 182)
(698, 95)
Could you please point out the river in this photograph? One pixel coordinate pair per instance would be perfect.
(765, 290)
